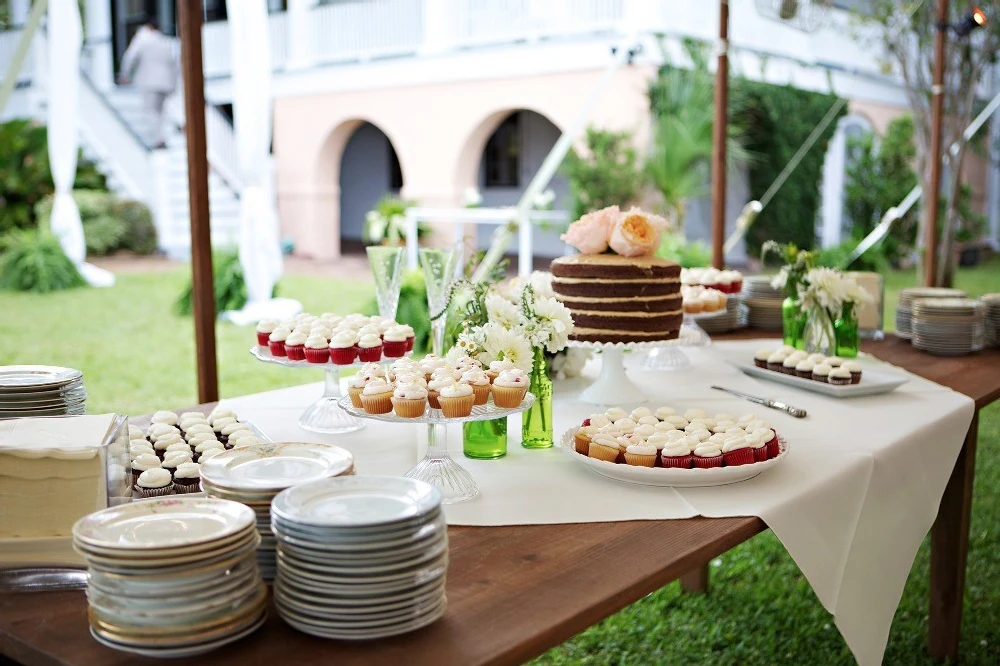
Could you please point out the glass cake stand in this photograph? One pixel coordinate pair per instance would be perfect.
(323, 416)
(672, 357)
(438, 468)
(613, 386)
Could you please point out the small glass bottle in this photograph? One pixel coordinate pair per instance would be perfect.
(485, 440)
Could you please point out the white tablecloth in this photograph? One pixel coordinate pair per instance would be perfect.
(851, 502)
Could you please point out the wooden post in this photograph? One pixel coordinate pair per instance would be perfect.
(189, 29)
(719, 139)
(937, 114)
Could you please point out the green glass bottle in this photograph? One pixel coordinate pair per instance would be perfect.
(847, 332)
(536, 423)
(792, 318)
(485, 440)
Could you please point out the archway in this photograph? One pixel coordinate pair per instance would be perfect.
(835, 223)
(369, 170)
(509, 160)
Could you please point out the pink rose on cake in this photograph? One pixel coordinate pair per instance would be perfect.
(636, 233)
(590, 234)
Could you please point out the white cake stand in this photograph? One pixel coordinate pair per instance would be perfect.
(613, 386)
(323, 416)
(438, 468)
(692, 335)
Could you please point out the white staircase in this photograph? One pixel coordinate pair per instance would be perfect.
(172, 210)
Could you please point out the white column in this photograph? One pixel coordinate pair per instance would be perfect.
(98, 58)
(301, 52)
(19, 12)
(832, 201)
(438, 25)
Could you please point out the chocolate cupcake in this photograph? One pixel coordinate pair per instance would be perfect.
(760, 358)
(840, 376)
(142, 463)
(187, 478)
(154, 482)
(821, 372)
(804, 368)
(776, 360)
(855, 369)
(788, 365)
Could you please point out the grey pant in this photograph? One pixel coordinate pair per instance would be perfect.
(152, 102)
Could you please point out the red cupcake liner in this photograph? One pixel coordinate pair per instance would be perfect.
(737, 457)
(370, 354)
(707, 462)
(263, 338)
(343, 356)
(394, 349)
(277, 347)
(772, 448)
(737, 286)
(760, 454)
(409, 343)
(295, 352)
(677, 462)
(317, 355)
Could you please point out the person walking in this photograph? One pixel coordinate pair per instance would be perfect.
(150, 62)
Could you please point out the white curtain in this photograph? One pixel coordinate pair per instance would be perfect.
(259, 245)
(64, 39)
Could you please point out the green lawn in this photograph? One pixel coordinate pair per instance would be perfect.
(138, 356)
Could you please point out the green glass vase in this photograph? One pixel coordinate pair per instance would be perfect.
(536, 423)
(793, 320)
(485, 440)
(847, 332)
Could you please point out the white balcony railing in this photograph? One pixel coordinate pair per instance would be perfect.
(500, 21)
(363, 30)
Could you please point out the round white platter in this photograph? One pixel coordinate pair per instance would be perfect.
(677, 478)
(275, 467)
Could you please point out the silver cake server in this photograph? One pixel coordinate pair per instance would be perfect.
(773, 404)
(42, 579)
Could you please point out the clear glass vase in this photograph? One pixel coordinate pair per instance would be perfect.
(847, 331)
(536, 423)
(819, 335)
(485, 440)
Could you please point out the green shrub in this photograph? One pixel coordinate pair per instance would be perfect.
(874, 259)
(606, 174)
(385, 224)
(140, 232)
(688, 254)
(227, 283)
(777, 120)
(25, 178)
(34, 261)
(103, 232)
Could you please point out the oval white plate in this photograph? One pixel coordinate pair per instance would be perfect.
(27, 378)
(356, 501)
(275, 466)
(678, 478)
(163, 523)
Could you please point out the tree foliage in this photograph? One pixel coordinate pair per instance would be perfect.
(607, 173)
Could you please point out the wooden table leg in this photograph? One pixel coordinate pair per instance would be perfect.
(949, 552)
(696, 580)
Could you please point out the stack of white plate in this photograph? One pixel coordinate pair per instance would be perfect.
(992, 304)
(360, 557)
(763, 303)
(907, 297)
(172, 577)
(734, 317)
(948, 326)
(253, 475)
(41, 390)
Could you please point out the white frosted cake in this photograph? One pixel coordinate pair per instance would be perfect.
(54, 471)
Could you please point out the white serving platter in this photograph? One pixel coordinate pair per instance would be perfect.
(676, 478)
(872, 382)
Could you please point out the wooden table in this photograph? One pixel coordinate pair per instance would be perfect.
(514, 592)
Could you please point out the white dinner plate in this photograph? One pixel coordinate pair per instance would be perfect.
(353, 620)
(163, 523)
(248, 542)
(184, 651)
(360, 591)
(28, 378)
(264, 467)
(366, 566)
(149, 555)
(357, 539)
(415, 576)
(308, 626)
(660, 476)
(356, 501)
(375, 599)
(872, 382)
(188, 582)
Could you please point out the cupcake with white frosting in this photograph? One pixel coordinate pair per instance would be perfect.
(496, 367)
(276, 341)
(456, 400)
(707, 455)
(155, 482)
(676, 452)
(187, 478)
(641, 455)
(343, 348)
(317, 348)
(376, 397)
(264, 329)
(737, 451)
(394, 342)
(409, 400)
(509, 388)
(370, 348)
(480, 383)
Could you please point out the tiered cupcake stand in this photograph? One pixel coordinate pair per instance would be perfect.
(437, 467)
(323, 416)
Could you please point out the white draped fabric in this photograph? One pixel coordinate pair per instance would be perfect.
(259, 245)
(65, 36)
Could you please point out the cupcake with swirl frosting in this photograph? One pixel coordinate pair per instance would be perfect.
(394, 342)
(509, 388)
(343, 349)
(155, 482)
(707, 455)
(409, 400)
(376, 397)
(479, 382)
(456, 400)
(317, 348)
(370, 348)
(187, 478)
(496, 367)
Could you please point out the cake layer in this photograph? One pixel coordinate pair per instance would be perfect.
(572, 288)
(596, 335)
(614, 266)
(646, 322)
(669, 303)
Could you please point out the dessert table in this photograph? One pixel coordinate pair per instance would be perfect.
(516, 590)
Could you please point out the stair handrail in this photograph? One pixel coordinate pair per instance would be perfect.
(221, 148)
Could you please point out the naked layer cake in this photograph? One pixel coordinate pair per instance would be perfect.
(616, 289)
